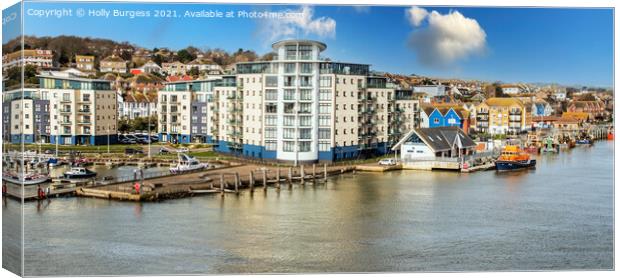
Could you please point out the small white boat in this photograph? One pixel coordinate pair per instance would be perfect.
(187, 163)
(79, 173)
(27, 179)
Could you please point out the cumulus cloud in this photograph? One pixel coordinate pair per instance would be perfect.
(302, 22)
(446, 38)
(416, 15)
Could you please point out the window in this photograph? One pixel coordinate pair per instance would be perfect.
(305, 52)
(305, 94)
(305, 108)
(289, 94)
(271, 108)
(271, 120)
(271, 81)
(289, 121)
(325, 81)
(325, 94)
(305, 133)
(436, 120)
(271, 145)
(304, 146)
(288, 146)
(289, 68)
(325, 108)
(271, 94)
(305, 121)
(288, 133)
(305, 81)
(270, 133)
(324, 120)
(289, 81)
(289, 108)
(324, 133)
(324, 147)
(306, 68)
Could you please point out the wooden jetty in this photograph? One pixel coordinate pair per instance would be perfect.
(213, 181)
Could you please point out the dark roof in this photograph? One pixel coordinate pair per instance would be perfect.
(443, 138)
(428, 110)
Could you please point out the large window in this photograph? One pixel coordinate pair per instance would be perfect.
(304, 146)
(270, 133)
(291, 52)
(271, 108)
(305, 108)
(305, 81)
(289, 94)
(325, 94)
(324, 120)
(271, 94)
(271, 145)
(305, 133)
(288, 133)
(289, 108)
(305, 121)
(306, 68)
(305, 94)
(289, 81)
(325, 108)
(324, 146)
(289, 121)
(325, 81)
(271, 120)
(288, 146)
(289, 68)
(305, 52)
(271, 81)
(324, 133)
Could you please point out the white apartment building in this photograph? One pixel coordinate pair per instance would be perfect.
(40, 58)
(296, 108)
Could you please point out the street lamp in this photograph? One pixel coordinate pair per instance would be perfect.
(108, 138)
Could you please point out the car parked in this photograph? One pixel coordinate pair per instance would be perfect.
(183, 150)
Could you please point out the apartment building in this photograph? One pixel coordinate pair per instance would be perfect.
(82, 111)
(501, 116)
(85, 63)
(26, 116)
(138, 105)
(40, 58)
(298, 107)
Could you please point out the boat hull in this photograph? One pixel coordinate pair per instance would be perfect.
(79, 176)
(26, 181)
(514, 165)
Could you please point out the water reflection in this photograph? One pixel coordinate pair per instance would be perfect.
(558, 216)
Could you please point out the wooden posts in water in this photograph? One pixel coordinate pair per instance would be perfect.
(222, 184)
(290, 177)
(278, 177)
(251, 181)
(313, 173)
(325, 172)
(302, 173)
(264, 180)
(237, 181)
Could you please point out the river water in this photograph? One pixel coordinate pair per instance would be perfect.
(556, 217)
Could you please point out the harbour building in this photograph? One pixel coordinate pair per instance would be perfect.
(298, 107)
(26, 116)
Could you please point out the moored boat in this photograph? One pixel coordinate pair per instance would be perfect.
(79, 173)
(187, 163)
(27, 179)
(584, 141)
(513, 158)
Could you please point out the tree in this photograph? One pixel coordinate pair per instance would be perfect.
(194, 72)
(185, 56)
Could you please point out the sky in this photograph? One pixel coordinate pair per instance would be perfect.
(569, 46)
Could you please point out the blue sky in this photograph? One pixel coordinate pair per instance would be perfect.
(567, 46)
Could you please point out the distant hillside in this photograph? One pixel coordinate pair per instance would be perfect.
(66, 47)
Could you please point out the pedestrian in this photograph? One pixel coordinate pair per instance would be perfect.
(40, 193)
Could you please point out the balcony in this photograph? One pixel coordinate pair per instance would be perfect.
(84, 111)
(84, 100)
(65, 101)
(64, 111)
(84, 122)
(64, 122)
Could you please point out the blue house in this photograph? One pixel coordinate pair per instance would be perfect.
(433, 117)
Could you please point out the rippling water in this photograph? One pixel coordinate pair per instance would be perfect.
(559, 216)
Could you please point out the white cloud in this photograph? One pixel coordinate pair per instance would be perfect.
(361, 9)
(447, 38)
(302, 23)
(416, 15)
